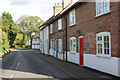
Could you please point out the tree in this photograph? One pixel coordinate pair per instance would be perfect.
(28, 25)
(7, 26)
(20, 41)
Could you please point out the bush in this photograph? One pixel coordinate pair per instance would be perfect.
(5, 43)
(20, 41)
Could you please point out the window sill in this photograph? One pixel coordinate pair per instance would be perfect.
(73, 25)
(102, 14)
(59, 29)
(104, 56)
(73, 52)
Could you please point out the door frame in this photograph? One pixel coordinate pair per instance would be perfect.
(79, 50)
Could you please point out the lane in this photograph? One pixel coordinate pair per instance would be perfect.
(26, 64)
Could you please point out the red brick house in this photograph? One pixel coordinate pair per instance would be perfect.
(88, 34)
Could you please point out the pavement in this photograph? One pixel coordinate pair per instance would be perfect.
(76, 71)
(22, 64)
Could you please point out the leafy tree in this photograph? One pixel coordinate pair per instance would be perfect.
(28, 25)
(20, 41)
(5, 43)
(7, 24)
(0, 39)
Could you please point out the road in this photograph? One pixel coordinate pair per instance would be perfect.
(26, 64)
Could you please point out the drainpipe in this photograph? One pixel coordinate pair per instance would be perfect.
(66, 36)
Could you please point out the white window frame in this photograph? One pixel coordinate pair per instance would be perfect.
(59, 24)
(51, 44)
(72, 45)
(103, 7)
(60, 45)
(72, 17)
(51, 28)
(103, 34)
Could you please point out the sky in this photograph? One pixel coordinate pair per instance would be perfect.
(18, 8)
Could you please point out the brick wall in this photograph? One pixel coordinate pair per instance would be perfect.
(119, 30)
(89, 25)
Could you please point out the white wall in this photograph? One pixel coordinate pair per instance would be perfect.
(35, 44)
(119, 66)
(54, 54)
(51, 52)
(73, 57)
(60, 56)
(44, 40)
(104, 64)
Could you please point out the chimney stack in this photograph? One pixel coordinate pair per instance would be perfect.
(66, 3)
(58, 7)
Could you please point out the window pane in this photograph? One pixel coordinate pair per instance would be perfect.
(99, 48)
(101, 51)
(105, 51)
(70, 45)
(105, 45)
(108, 51)
(100, 38)
(74, 47)
(74, 40)
(105, 38)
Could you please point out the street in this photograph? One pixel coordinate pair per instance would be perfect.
(25, 64)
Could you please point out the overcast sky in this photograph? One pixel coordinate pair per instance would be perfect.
(41, 8)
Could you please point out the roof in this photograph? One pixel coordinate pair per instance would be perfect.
(37, 35)
(61, 13)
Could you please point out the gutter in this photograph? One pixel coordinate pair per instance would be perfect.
(66, 36)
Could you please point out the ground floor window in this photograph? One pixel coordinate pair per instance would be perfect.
(51, 44)
(103, 42)
(60, 45)
(73, 44)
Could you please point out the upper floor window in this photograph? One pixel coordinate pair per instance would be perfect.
(103, 44)
(72, 18)
(102, 7)
(51, 28)
(73, 44)
(60, 45)
(59, 24)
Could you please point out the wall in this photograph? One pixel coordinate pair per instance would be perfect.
(89, 25)
(35, 43)
(44, 40)
(73, 57)
(108, 65)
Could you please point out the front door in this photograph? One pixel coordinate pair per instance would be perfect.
(81, 50)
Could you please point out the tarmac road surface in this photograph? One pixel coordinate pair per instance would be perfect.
(24, 64)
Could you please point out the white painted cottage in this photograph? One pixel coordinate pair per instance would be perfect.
(36, 41)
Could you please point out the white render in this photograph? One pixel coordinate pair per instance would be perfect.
(60, 56)
(44, 39)
(105, 64)
(73, 57)
(51, 52)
